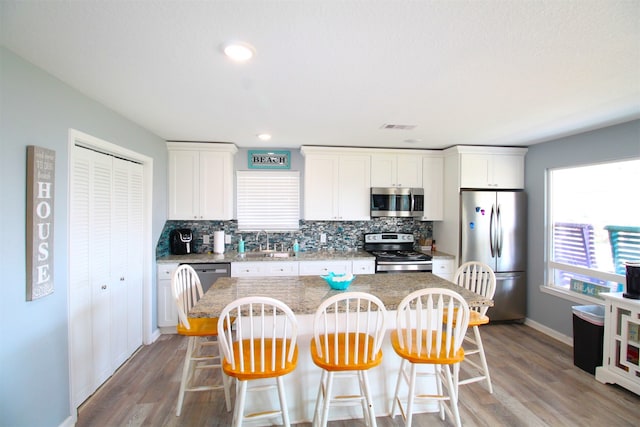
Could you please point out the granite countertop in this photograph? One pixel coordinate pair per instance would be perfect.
(233, 256)
(303, 294)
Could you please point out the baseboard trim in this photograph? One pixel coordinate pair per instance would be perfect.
(550, 332)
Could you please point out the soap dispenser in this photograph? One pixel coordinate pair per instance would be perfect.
(296, 247)
(241, 246)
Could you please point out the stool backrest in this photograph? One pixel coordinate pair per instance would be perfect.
(358, 315)
(423, 313)
(477, 277)
(265, 338)
(186, 290)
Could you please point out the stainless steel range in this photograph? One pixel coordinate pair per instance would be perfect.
(394, 253)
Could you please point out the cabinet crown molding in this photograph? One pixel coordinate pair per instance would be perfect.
(483, 149)
(318, 149)
(203, 146)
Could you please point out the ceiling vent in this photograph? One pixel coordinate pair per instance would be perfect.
(397, 127)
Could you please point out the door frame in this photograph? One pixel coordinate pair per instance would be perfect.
(77, 137)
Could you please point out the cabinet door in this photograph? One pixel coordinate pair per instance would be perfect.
(433, 184)
(383, 170)
(363, 266)
(508, 171)
(184, 184)
(320, 188)
(285, 268)
(354, 188)
(409, 171)
(167, 311)
(215, 195)
(444, 268)
(474, 171)
(321, 268)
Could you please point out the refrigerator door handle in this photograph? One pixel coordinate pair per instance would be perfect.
(492, 232)
(499, 232)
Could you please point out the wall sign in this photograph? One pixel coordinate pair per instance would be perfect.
(41, 168)
(269, 159)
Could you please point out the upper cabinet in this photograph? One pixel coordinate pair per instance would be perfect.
(396, 170)
(492, 168)
(336, 184)
(433, 185)
(200, 181)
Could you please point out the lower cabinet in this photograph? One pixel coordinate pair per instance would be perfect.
(620, 361)
(444, 268)
(167, 311)
(264, 268)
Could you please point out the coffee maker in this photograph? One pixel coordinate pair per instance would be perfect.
(180, 241)
(633, 280)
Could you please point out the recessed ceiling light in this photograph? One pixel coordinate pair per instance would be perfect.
(264, 136)
(239, 51)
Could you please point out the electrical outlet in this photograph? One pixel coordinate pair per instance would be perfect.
(227, 239)
(205, 239)
(323, 237)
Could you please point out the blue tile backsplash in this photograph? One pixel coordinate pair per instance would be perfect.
(341, 235)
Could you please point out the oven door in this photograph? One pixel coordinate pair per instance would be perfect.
(404, 267)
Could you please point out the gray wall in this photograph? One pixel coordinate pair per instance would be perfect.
(37, 109)
(612, 143)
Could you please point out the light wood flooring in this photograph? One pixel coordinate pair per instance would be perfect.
(534, 379)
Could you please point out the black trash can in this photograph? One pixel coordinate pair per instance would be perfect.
(588, 336)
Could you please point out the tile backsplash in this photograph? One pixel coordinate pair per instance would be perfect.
(341, 235)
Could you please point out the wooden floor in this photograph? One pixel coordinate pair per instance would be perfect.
(534, 379)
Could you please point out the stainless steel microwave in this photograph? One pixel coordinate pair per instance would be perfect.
(397, 202)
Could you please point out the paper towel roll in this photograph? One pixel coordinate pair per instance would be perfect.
(218, 242)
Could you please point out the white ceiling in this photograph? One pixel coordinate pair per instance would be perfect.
(332, 72)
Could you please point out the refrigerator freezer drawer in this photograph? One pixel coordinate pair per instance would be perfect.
(510, 299)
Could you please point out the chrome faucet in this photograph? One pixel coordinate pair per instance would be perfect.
(258, 236)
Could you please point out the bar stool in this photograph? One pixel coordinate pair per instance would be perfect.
(348, 330)
(264, 347)
(425, 335)
(477, 277)
(202, 348)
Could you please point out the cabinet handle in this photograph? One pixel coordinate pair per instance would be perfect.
(122, 279)
(103, 287)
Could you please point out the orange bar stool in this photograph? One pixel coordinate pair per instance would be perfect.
(348, 330)
(479, 278)
(263, 347)
(425, 335)
(202, 349)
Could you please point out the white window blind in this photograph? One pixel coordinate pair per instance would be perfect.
(268, 200)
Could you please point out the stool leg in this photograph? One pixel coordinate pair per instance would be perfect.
(483, 358)
(412, 392)
(369, 399)
(283, 402)
(327, 400)
(238, 413)
(395, 394)
(321, 395)
(186, 374)
(453, 396)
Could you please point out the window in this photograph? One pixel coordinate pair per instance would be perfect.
(594, 226)
(268, 200)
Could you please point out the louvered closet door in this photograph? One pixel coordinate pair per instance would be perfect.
(105, 267)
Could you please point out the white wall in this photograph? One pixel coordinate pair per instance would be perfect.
(37, 109)
(612, 143)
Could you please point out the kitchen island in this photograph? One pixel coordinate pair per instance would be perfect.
(303, 294)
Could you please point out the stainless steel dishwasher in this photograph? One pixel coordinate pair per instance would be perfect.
(210, 272)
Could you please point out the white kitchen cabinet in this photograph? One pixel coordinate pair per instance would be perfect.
(336, 185)
(321, 268)
(167, 311)
(363, 266)
(200, 181)
(492, 168)
(396, 170)
(264, 268)
(433, 185)
(444, 267)
(620, 363)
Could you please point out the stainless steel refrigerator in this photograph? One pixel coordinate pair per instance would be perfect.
(494, 230)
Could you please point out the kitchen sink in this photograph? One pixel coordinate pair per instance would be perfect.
(267, 254)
